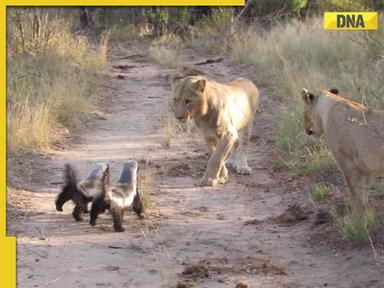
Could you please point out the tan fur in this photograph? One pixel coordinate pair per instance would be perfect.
(353, 133)
(224, 114)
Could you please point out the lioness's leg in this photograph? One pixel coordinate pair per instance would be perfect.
(243, 168)
(355, 182)
(223, 175)
(232, 159)
(238, 159)
(212, 143)
(216, 162)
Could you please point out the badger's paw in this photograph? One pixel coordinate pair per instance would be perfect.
(118, 229)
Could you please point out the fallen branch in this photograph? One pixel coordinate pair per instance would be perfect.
(210, 61)
(131, 56)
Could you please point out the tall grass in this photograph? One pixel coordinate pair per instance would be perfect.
(164, 56)
(294, 55)
(213, 34)
(49, 85)
(128, 33)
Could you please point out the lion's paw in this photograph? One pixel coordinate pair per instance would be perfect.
(209, 182)
(223, 180)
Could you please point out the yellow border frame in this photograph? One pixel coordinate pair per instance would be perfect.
(126, 3)
(8, 244)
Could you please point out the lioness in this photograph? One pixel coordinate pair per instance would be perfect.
(353, 133)
(224, 114)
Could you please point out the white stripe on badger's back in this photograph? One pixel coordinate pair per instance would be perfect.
(97, 171)
(90, 188)
(128, 174)
(123, 193)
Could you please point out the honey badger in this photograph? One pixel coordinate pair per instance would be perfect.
(123, 195)
(82, 192)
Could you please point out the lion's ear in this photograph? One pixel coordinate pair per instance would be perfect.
(199, 85)
(307, 96)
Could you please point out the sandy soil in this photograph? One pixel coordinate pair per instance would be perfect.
(192, 236)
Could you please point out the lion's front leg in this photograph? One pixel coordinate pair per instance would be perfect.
(216, 172)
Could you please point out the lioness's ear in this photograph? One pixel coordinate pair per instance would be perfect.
(199, 85)
(307, 96)
(176, 78)
(334, 91)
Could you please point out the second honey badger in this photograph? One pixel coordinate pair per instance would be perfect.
(123, 195)
(82, 192)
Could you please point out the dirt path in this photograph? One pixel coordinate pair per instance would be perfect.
(217, 236)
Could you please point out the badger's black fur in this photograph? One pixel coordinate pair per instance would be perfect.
(123, 195)
(82, 192)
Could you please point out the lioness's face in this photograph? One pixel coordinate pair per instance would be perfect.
(188, 97)
(312, 122)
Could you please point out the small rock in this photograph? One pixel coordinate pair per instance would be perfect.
(243, 284)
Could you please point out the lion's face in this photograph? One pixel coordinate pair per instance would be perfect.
(188, 96)
(312, 122)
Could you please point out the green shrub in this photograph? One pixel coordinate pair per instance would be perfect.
(321, 192)
(358, 230)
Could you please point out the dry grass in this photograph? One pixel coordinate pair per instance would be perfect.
(49, 89)
(145, 183)
(126, 33)
(214, 34)
(295, 55)
(169, 40)
(164, 56)
(168, 131)
(169, 125)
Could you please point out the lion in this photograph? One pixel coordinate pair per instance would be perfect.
(224, 114)
(354, 134)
